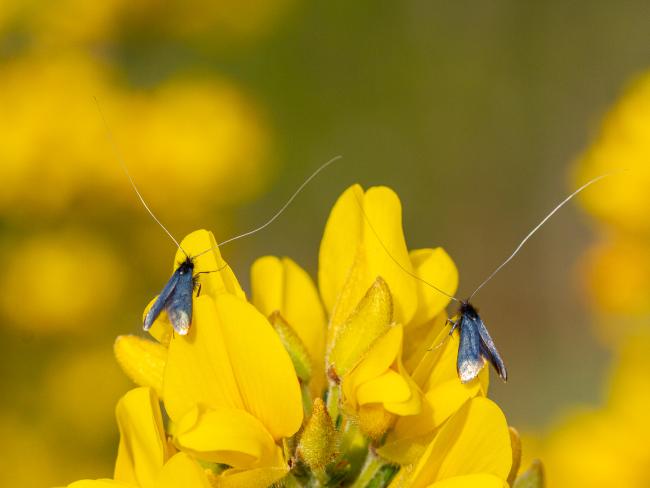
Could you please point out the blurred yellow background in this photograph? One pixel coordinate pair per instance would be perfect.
(481, 116)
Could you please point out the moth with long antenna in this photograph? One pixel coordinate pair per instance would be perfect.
(476, 346)
(176, 296)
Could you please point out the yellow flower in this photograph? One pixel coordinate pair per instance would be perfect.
(206, 123)
(50, 273)
(623, 142)
(396, 367)
(617, 267)
(606, 446)
(144, 458)
(229, 386)
(479, 428)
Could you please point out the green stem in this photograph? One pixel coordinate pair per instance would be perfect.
(375, 473)
(333, 394)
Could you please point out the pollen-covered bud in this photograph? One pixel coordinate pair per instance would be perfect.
(319, 440)
(369, 321)
(294, 346)
(143, 361)
(374, 420)
(533, 477)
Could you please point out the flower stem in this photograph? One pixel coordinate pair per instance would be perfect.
(333, 394)
(376, 473)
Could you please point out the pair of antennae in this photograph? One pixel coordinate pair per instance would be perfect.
(118, 155)
(498, 268)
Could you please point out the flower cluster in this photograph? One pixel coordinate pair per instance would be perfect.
(618, 266)
(352, 382)
(606, 445)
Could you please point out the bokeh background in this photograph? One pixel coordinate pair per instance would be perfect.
(482, 115)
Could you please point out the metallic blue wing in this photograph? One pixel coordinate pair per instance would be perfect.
(489, 350)
(160, 303)
(470, 361)
(179, 304)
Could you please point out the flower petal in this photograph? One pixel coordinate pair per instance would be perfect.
(182, 470)
(444, 393)
(142, 451)
(227, 436)
(103, 483)
(390, 386)
(352, 256)
(436, 267)
(471, 481)
(199, 369)
(251, 478)
(220, 278)
(281, 285)
(141, 360)
(478, 428)
(232, 358)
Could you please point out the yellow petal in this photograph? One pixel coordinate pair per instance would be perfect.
(221, 278)
(105, 483)
(211, 271)
(141, 360)
(444, 393)
(352, 256)
(380, 378)
(182, 470)
(199, 369)
(390, 386)
(281, 285)
(382, 355)
(338, 250)
(142, 451)
(411, 405)
(251, 478)
(227, 436)
(436, 267)
(478, 428)
(232, 358)
(370, 320)
(471, 481)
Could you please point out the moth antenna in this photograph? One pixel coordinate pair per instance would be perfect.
(394, 259)
(277, 214)
(538, 226)
(118, 155)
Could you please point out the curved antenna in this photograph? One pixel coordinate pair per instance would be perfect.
(538, 226)
(120, 159)
(277, 214)
(394, 259)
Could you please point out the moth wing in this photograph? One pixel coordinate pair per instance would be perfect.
(159, 305)
(489, 351)
(179, 304)
(470, 361)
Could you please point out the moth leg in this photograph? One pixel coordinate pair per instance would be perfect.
(198, 291)
(206, 272)
(454, 325)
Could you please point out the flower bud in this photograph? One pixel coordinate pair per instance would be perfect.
(319, 440)
(374, 420)
(533, 477)
(369, 321)
(294, 346)
(143, 361)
